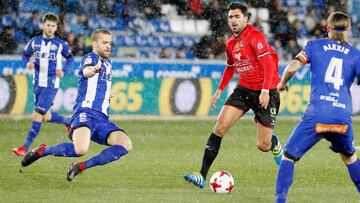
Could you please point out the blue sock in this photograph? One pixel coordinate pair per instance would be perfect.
(106, 156)
(33, 132)
(57, 118)
(284, 180)
(354, 172)
(64, 149)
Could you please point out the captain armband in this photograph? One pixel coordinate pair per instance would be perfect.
(301, 57)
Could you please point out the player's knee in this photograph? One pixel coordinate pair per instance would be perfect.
(37, 116)
(120, 138)
(348, 159)
(47, 117)
(128, 145)
(81, 150)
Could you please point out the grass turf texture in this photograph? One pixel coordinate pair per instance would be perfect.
(163, 152)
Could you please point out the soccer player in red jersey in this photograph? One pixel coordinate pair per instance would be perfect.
(257, 65)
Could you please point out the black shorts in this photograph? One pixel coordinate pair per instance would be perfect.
(249, 99)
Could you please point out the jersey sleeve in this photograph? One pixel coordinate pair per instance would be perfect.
(260, 45)
(28, 51)
(229, 58)
(88, 60)
(226, 77)
(264, 53)
(305, 54)
(66, 52)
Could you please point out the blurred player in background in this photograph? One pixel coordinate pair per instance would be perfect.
(334, 64)
(90, 120)
(257, 64)
(48, 51)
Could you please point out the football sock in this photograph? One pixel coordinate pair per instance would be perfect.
(354, 172)
(33, 132)
(211, 150)
(57, 118)
(284, 180)
(106, 156)
(274, 141)
(64, 149)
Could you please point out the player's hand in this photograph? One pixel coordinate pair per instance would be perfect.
(282, 87)
(97, 69)
(91, 71)
(264, 99)
(214, 98)
(59, 73)
(30, 65)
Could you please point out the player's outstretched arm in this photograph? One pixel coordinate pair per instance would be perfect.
(90, 71)
(289, 72)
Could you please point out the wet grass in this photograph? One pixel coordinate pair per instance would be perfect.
(163, 151)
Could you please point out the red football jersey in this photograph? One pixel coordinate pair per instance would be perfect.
(245, 53)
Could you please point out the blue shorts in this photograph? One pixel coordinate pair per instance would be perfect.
(98, 123)
(44, 98)
(304, 136)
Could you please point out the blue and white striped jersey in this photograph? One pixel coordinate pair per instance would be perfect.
(94, 92)
(47, 53)
(334, 67)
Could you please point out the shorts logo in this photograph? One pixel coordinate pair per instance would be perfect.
(83, 117)
(273, 111)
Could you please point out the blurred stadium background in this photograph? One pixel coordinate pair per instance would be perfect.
(168, 55)
(168, 58)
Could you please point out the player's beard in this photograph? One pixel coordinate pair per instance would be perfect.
(103, 54)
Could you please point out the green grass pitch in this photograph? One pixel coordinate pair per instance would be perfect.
(163, 152)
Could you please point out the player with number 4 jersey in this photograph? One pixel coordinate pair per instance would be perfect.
(334, 64)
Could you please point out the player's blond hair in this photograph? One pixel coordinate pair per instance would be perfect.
(339, 23)
(95, 34)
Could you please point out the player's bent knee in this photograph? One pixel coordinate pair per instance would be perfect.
(37, 116)
(47, 117)
(80, 150)
(120, 138)
(348, 159)
(128, 146)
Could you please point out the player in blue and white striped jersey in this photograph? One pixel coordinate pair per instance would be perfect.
(334, 64)
(90, 120)
(48, 51)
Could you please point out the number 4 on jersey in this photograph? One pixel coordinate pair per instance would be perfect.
(334, 72)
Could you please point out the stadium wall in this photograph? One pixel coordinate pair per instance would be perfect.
(149, 88)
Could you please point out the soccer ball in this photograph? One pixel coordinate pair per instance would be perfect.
(221, 182)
